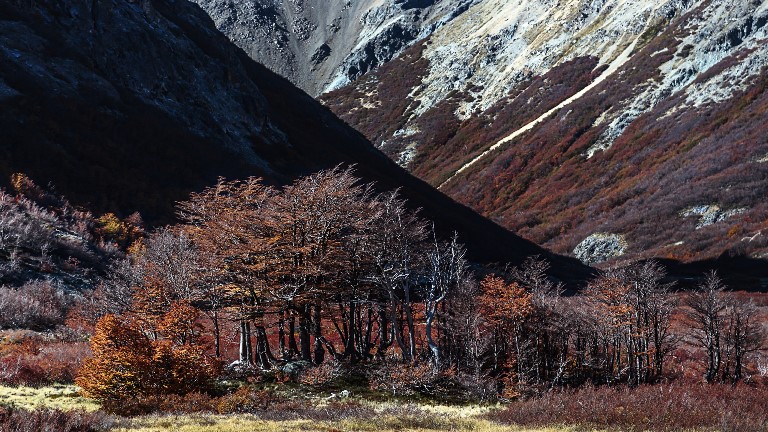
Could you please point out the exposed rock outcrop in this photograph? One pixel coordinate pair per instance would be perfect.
(709, 214)
(600, 247)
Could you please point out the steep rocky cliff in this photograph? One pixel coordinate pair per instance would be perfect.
(130, 105)
(321, 45)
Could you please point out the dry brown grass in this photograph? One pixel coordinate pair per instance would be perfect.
(62, 397)
(432, 422)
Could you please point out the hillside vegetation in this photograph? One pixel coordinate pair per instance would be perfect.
(639, 120)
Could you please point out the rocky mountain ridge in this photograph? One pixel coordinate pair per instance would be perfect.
(323, 45)
(503, 103)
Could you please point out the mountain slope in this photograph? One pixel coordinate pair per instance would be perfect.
(322, 45)
(604, 128)
(130, 106)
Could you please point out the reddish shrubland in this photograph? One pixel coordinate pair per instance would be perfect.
(542, 187)
(391, 96)
(31, 359)
(661, 407)
(36, 305)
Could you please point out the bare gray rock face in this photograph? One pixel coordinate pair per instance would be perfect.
(323, 44)
(600, 247)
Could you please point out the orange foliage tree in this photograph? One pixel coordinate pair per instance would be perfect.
(127, 363)
(506, 307)
(120, 367)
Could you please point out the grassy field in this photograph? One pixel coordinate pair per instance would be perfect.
(389, 416)
(658, 408)
(377, 424)
(63, 397)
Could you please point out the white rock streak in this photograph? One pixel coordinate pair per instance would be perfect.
(614, 66)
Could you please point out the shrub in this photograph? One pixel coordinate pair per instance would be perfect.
(127, 365)
(31, 362)
(189, 403)
(407, 379)
(36, 305)
(246, 400)
(648, 407)
(16, 420)
(320, 375)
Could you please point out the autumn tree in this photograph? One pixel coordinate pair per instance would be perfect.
(229, 225)
(506, 307)
(608, 304)
(316, 222)
(120, 367)
(127, 363)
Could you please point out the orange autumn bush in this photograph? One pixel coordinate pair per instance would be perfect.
(127, 364)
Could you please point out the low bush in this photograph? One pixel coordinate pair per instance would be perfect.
(29, 359)
(408, 379)
(320, 375)
(246, 400)
(36, 305)
(16, 420)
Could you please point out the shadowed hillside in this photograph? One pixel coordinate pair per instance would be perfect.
(130, 106)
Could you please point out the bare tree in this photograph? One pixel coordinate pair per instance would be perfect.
(652, 306)
(707, 306)
(743, 334)
(448, 269)
(396, 262)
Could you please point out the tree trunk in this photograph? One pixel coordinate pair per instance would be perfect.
(411, 326)
(246, 351)
(293, 348)
(384, 335)
(216, 332)
(433, 347)
(304, 333)
(264, 356)
(281, 336)
(317, 329)
(395, 327)
(349, 347)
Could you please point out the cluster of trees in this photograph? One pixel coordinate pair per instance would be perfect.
(728, 329)
(323, 253)
(325, 271)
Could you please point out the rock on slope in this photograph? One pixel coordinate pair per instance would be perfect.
(131, 105)
(564, 118)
